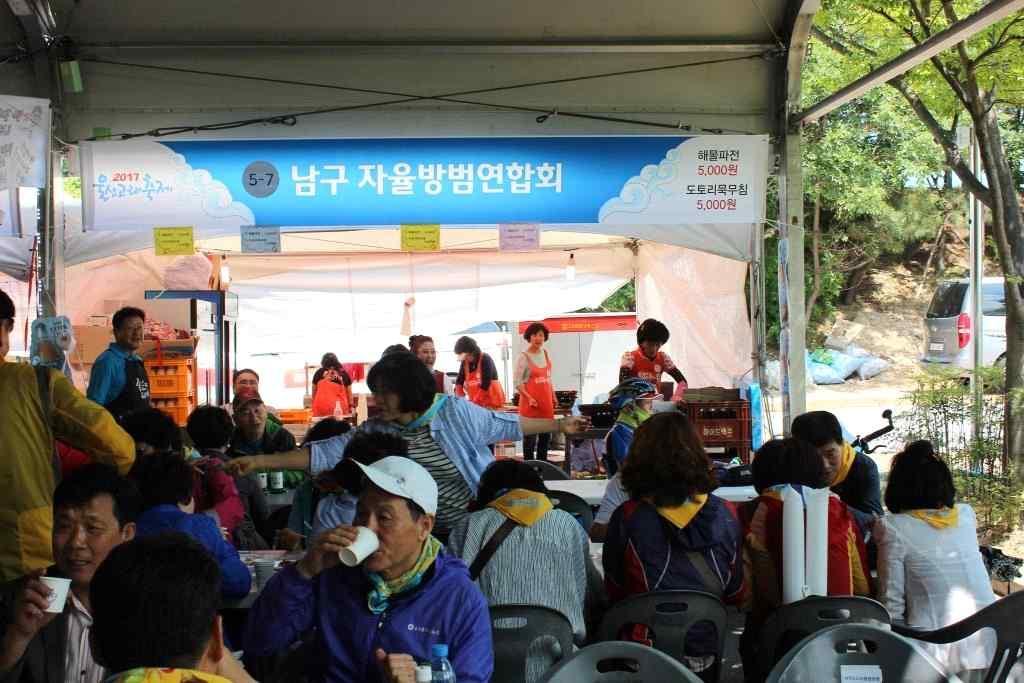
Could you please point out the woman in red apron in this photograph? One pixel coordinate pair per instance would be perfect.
(329, 394)
(536, 393)
(478, 377)
(647, 361)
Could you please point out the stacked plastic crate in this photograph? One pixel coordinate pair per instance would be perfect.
(172, 386)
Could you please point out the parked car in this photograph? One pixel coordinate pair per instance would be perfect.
(948, 329)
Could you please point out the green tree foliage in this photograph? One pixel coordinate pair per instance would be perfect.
(981, 82)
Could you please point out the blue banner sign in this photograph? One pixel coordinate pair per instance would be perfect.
(450, 181)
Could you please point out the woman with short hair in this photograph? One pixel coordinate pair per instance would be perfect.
(930, 571)
(478, 376)
(673, 534)
(544, 560)
(536, 392)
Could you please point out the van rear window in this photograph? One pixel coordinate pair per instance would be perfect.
(993, 300)
(948, 301)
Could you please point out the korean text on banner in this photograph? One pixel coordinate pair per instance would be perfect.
(24, 134)
(518, 236)
(173, 241)
(261, 239)
(638, 180)
(421, 237)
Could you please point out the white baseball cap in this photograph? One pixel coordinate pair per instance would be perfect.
(405, 478)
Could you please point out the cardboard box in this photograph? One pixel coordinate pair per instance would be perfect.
(90, 342)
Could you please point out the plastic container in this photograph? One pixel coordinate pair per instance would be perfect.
(440, 667)
(276, 484)
(424, 674)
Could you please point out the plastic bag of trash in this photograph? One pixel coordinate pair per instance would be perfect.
(856, 351)
(845, 365)
(871, 367)
(825, 374)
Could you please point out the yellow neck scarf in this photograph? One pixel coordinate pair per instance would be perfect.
(522, 506)
(849, 455)
(943, 518)
(681, 515)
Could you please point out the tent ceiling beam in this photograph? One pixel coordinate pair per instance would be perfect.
(462, 47)
(994, 11)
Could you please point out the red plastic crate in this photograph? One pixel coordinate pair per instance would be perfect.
(723, 423)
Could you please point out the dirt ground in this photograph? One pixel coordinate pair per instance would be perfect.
(891, 311)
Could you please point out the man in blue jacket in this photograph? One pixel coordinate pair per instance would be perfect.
(376, 621)
(119, 381)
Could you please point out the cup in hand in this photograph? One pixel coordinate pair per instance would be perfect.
(58, 593)
(366, 544)
(264, 571)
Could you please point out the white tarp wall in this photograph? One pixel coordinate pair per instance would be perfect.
(700, 298)
(293, 308)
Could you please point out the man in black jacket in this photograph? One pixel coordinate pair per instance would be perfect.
(854, 476)
(94, 511)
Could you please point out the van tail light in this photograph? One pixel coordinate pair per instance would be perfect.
(963, 329)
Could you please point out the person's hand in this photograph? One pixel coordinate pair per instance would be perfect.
(239, 467)
(286, 539)
(323, 554)
(574, 424)
(30, 614)
(396, 668)
(532, 402)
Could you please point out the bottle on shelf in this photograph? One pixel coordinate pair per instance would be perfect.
(440, 666)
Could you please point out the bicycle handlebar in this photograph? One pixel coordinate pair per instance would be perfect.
(863, 441)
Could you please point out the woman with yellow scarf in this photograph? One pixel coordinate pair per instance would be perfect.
(853, 476)
(930, 572)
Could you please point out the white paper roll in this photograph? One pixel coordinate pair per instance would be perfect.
(792, 546)
(816, 509)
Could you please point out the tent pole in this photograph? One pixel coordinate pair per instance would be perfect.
(792, 342)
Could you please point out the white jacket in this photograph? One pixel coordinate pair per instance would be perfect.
(930, 578)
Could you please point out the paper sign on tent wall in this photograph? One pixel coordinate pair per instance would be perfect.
(518, 236)
(261, 239)
(173, 241)
(421, 237)
(24, 134)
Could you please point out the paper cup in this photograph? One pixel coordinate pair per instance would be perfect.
(59, 593)
(365, 545)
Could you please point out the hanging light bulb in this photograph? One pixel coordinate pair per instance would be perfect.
(570, 268)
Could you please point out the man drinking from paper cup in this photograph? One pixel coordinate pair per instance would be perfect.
(402, 590)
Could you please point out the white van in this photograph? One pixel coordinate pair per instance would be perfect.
(948, 324)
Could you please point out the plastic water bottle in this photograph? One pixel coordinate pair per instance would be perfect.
(337, 410)
(439, 664)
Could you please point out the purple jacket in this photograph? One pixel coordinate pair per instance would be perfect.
(446, 608)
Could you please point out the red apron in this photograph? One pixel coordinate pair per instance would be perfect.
(493, 397)
(327, 394)
(538, 386)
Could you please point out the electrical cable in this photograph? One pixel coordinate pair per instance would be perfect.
(453, 97)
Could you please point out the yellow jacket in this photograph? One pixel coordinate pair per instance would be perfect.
(27, 459)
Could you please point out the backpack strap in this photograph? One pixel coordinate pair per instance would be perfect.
(485, 554)
(712, 583)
